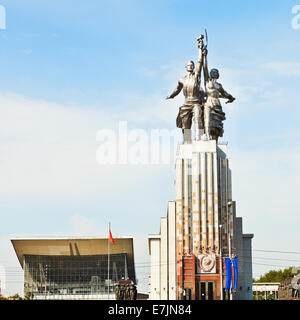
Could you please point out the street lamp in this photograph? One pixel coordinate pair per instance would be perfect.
(229, 204)
(221, 262)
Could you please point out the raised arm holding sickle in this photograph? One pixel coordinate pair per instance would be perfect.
(213, 113)
(194, 97)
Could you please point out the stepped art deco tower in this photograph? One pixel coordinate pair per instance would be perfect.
(201, 252)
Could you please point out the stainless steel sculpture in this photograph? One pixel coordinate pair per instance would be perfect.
(204, 108)
(194, 97)
(213, 113)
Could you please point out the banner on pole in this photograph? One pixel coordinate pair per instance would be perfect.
(235, 270)
(228, 273)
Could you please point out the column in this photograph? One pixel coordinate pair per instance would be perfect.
(203, 200)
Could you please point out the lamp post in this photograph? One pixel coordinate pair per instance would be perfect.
(229, 203)
(221, 262)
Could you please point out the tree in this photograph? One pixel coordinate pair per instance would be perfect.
(277, 275)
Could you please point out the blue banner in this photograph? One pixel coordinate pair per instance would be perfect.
(235, 270)
(228, 273)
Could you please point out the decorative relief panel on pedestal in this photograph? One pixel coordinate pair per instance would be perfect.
(206, 263)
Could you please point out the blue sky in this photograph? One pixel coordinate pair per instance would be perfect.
(69, 69)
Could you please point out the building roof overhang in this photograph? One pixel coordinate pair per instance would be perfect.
(72, 246)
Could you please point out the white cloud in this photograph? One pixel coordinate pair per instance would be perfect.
(82, 226)
(283, 68)
(267, 182)
(48, 149)
(266, 186)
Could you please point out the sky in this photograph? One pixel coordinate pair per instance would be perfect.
(70, 68)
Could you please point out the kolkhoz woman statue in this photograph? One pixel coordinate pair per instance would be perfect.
(213, 113)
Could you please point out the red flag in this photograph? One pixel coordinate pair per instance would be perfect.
(111, 238)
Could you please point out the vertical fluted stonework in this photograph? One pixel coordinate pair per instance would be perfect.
(203, 191)
(210, 201)
(179, 206)
(186, 208)
(203, 201)
(216, 202)
(196, 201)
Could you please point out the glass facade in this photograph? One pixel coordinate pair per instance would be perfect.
(49, 276)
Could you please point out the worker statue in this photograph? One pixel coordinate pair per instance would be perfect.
(194, 98)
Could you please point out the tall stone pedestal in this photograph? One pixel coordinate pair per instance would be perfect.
(187, 257)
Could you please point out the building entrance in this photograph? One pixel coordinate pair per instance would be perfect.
(206, 289)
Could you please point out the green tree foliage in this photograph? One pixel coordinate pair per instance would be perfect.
(276, 275)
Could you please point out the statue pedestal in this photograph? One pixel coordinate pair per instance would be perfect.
(203, 192)
(200, 230)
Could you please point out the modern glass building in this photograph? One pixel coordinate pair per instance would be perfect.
(69, 268)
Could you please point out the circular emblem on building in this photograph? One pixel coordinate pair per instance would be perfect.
(207, 262)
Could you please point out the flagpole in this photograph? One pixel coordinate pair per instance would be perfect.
(108, 249)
